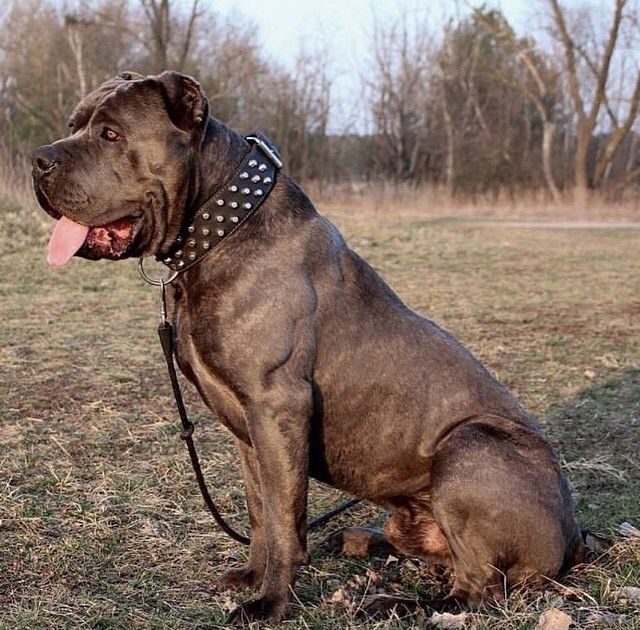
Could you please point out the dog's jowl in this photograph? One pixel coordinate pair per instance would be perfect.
(304, 353)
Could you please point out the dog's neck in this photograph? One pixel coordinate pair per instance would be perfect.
(221, 150)
(234, 175)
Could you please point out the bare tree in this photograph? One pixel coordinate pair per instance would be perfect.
(588, 107)
(539, 84)
(75, 38)
(396, 86)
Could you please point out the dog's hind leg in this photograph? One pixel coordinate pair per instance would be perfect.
(499, 498)
(499, 512)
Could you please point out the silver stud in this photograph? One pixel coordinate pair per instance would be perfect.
(233, 188)
(179, 239)
(234, 204)
(262, 167)
(255, 179)
(258, 192)
(181, 264)
(219, 218)
(192, 256)
(206, 245)
(191, 242)
(246, 206)
(267, 180)
(178, 254)
(253, 163)
(220, 202)
(206, 216)
(244, 175)
(220, 232)
(234, 219)
(191, 229)
(245, 191)
(167, 260)
(205, 231)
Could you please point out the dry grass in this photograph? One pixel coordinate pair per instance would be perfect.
(384, 201)
(21, 223)
(101, 525)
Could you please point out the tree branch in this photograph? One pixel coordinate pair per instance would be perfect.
(570, 59)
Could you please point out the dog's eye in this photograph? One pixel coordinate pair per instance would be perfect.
(110, 135)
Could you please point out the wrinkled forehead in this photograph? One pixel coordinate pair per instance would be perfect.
(118, 99)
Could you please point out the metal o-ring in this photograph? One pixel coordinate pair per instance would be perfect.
(155, 283)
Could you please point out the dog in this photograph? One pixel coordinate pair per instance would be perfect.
(303, 352)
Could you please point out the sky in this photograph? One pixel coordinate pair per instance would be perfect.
(343, 27)
(342, 23)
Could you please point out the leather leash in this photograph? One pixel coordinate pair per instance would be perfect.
(166, 334)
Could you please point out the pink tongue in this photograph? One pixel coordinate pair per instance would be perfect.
(67, 238)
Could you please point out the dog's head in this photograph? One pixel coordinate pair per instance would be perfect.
(118, 184)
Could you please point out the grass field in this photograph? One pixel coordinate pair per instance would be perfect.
(101, 525)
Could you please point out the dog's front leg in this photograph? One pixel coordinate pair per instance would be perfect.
(251, 573)
(279, 429)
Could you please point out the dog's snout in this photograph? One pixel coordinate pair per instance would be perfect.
(45, 160)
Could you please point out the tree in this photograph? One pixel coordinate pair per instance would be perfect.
(490, 132)
(539, 83)
(396, 88)
(595, 59)
(163, 28)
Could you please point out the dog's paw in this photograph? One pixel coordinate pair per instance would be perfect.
(358, 541)
(260, 609)
(239, 578)
(380, 606)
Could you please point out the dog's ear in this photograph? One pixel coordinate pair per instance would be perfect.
(184, 99)
(127, 75)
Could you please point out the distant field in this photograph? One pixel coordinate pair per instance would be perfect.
(101, 524)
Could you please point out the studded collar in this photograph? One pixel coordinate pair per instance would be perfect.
(228, 208)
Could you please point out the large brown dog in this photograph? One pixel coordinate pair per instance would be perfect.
(308, 357)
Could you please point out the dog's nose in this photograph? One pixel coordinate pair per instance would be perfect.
(45, 160)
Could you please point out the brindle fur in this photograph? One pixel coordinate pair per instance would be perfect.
(314, 364)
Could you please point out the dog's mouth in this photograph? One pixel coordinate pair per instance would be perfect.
(69, 238)
(112, 240)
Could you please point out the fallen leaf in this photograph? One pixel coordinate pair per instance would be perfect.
(627, 530)
(228, 603)
(554, 619)
(448, 620)
(341, 598)
(627, 593)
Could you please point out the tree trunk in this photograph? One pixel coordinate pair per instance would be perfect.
(450, 171)
(548, 134)
(74, 37)
(581, 165)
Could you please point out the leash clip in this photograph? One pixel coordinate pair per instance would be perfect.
(163, 303)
